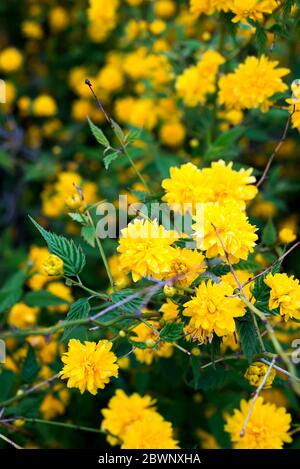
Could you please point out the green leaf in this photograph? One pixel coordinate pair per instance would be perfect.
(43, 299)
(260, 38)
(98, 134)
(12, 291)
(7, 381)
(269, 235)
(30, 367)
(248, 337)
(130, 306)
(43, 169)
(108, 159)
(261, 291)
(118, 131)
(133, 136)
(72, 255)
(171, 332)
(79, 310)
(224, 146)
(88, 233)
(77, 217)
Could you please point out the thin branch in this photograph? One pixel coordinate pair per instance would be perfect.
(25, 393)
(10, 442)
(281, 370)
(259, 389)
(255, 277)
(240, 286)
(277, 148)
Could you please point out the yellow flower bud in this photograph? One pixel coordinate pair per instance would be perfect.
(19, 422)
(256, 372)
(150, 343)
(169, 291)
(196, 351)
(75, 202)
(122, 333)
(53, 265)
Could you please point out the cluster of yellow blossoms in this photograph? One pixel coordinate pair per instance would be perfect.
(242, 9)
(259, 75)
(103, 18)
(285, 295)
(134, 422)
(199, 80)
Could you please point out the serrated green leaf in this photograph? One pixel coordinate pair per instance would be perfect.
(88, 233)
(79, 310)
(118, 131)
(77, 217)
(171, 332)
(30, 367)
(72, 255)
(248, 337)
(108, 159)
(130, 306)
(269, 235)
(43, 299)
(12, 291)
(133, 135)
(98, 134)
(212, 377)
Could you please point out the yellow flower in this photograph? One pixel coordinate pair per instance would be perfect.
(164, 8)
(61, 291)
(252, 9)
(51, 407)
(256, 372)
(22, 316)
(32, 29)
(37, 257)
(110, 78)
(267, 428)
(187, 265)
(121, 279)
(170, 311)
(123, 410)
(226, 183)
(184, 188)
(149, 432)
(44, 106)
(197, 81)
(74, 202)
(287, 235)
(172, 133)
(212, 310)
(58, 19)
(103, 18)
(89, 366)
(259, 75)
(208, 7)
(53, 265)
(237, 234)
(285, 295)
(145, 249)
(10, 60)
(146, 334)
(157, 27)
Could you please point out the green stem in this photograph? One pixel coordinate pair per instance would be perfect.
(138, 173)
(102, 252)
(64, 425)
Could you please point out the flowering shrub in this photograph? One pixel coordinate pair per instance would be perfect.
(149, 260)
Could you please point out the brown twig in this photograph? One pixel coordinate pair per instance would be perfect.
(276, 150)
